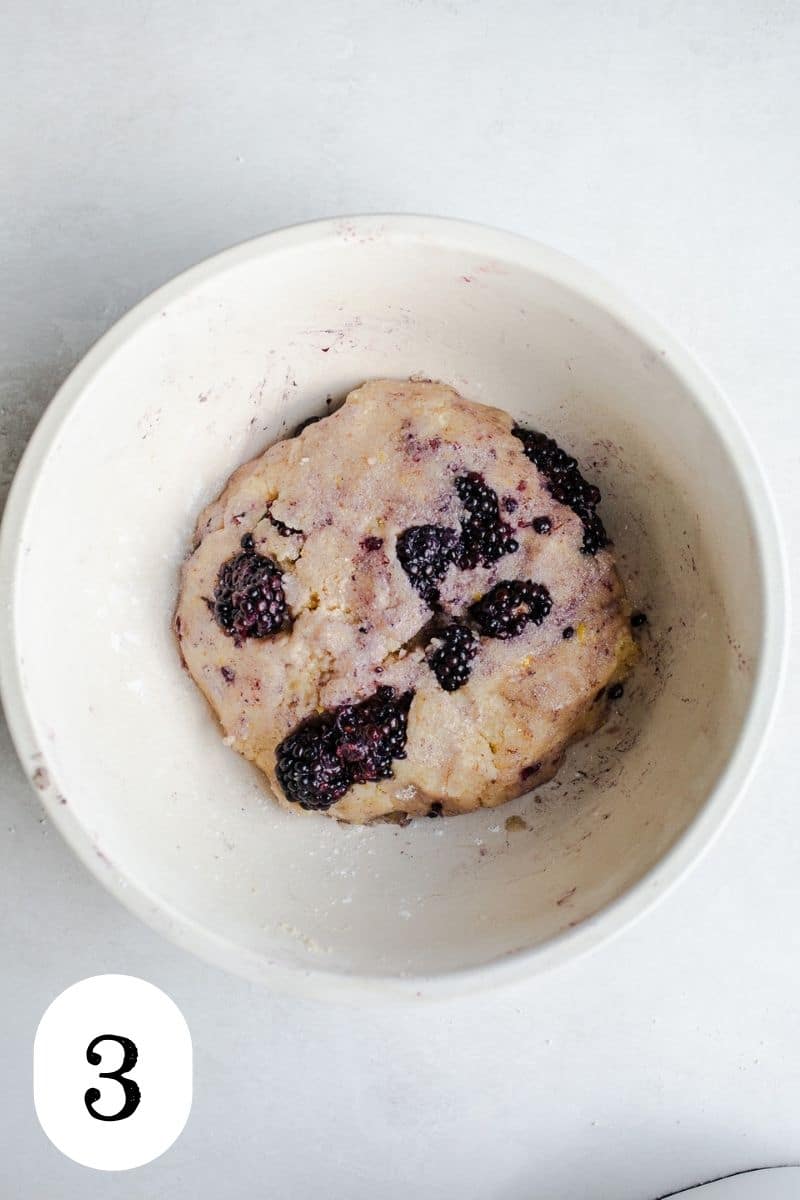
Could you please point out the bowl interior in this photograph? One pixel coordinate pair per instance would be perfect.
(209, 374)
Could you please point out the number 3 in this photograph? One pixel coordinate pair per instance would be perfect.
(131, 1089)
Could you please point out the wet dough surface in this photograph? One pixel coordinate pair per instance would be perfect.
(327, 508)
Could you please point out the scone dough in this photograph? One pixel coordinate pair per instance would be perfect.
(350, 485)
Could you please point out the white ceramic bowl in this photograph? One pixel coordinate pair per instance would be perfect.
(209, 371)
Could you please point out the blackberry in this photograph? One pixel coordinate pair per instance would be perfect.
(567, 632)
(638, 619)
(435, 809)
(594, 534)
(485, 537)
(372, 543)
(566, 485)
(451, 661)
(248, 598)
(308, 768)
(615, 691)
(356, 743)
(507, 608)
(425, 552)
(372, 733)
(541, 525)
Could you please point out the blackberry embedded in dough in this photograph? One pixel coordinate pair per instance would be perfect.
(308, 767)
(451, 661)
(507, 608)
(566, 484)
(425, 552)
(248, 599)
(355, 743)
(485, 537)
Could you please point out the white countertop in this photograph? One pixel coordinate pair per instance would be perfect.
(658, 143)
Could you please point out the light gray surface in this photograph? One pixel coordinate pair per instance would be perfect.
(781, 1183)
(656, 142)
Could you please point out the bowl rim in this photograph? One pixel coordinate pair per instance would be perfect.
(695, 840)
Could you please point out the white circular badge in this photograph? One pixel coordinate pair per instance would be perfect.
(112, 1072)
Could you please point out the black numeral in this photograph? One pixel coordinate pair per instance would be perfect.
(131, 1089)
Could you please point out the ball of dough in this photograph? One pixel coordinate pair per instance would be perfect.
(410, 608)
